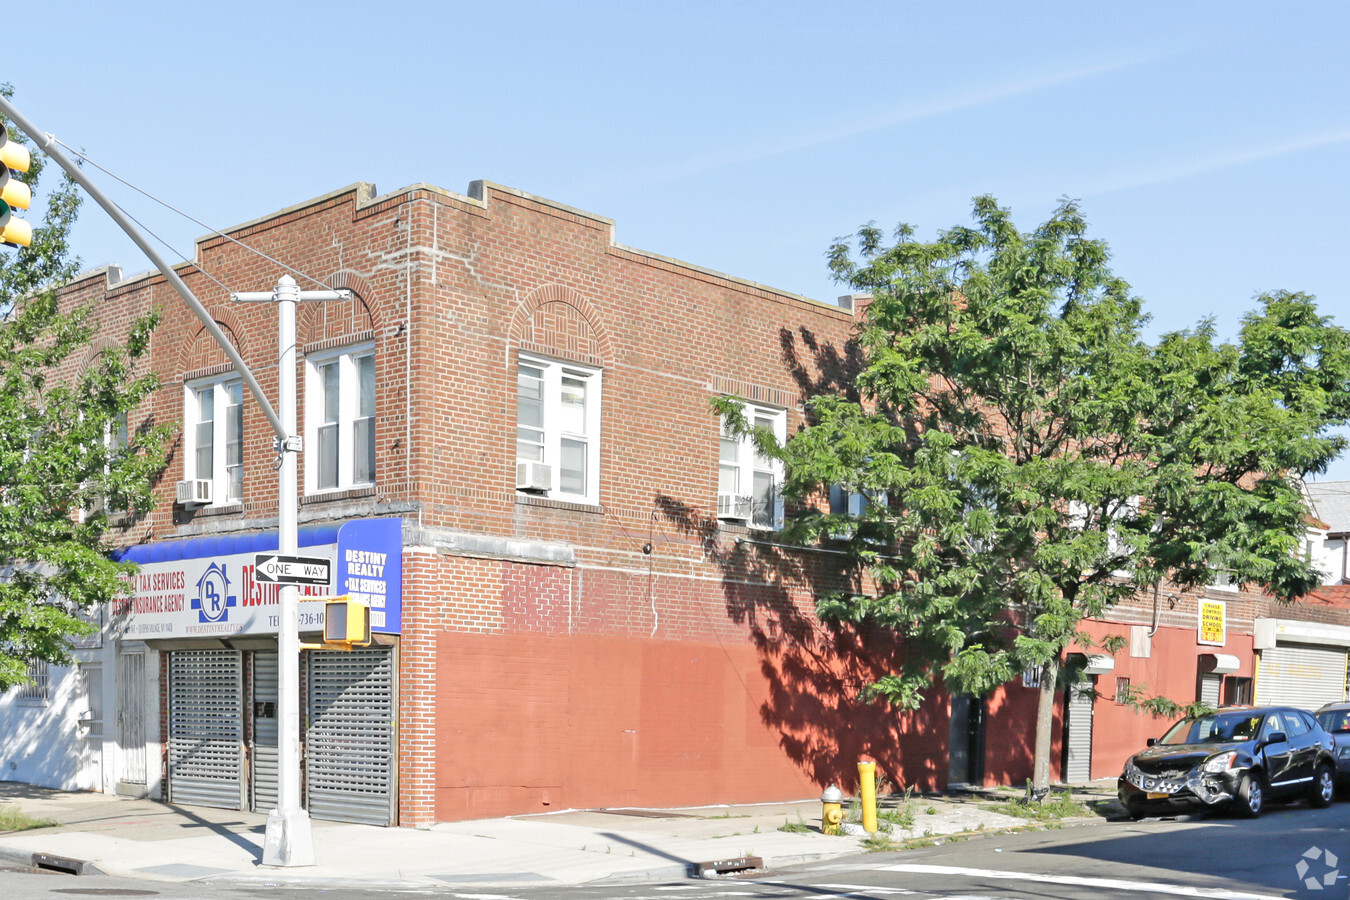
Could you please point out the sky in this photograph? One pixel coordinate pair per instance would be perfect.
(1208, 143)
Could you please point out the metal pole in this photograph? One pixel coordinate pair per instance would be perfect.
(47, 144)
(290, 839)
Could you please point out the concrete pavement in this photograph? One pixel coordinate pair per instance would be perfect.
(152, 840)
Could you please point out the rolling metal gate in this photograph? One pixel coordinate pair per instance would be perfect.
(1301, 675)
(1078, 746)
(1209, 690)
(349, 736)
(264, 730)
(205, 728)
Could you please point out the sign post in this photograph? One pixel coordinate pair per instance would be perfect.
(290, 838)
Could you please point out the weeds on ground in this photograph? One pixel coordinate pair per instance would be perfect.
(1053, 808)
(888, 820)
(14, 819)
(797, 827)
(878, 843)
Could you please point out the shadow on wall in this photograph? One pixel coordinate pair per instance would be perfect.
(44, 744)
(814, 672)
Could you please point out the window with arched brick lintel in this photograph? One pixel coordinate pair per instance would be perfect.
(559, 358)
(560, 322)
(330, 321)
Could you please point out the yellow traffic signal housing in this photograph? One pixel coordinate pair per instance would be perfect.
(14, 194)
(346, 622)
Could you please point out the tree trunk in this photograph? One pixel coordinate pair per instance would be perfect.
(1045, 721)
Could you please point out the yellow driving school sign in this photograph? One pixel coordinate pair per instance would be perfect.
(1212, 622)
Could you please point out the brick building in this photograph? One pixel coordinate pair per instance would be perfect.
(510, 453)
(520, 405)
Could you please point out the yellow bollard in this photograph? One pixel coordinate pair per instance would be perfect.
(832, 811)
(867, 794)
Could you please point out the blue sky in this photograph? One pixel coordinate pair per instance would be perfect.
(1208, 142)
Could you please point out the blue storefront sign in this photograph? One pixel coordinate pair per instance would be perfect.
(370, 569)
(206, 587)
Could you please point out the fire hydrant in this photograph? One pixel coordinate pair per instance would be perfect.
(832, 810)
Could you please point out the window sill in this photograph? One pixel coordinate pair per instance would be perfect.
(740, 526)
(215, 509)
(550, 503)
(338, 494)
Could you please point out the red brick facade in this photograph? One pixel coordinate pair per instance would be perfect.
(556, 654)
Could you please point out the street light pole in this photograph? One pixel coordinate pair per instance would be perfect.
(290, 839)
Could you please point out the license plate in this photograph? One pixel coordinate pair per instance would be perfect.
(1154, 795)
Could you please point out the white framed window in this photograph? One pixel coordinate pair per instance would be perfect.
(115, 437)
(855, 504)
(213, 436)
(748, 482)
(340, 419)
(38, 690)
(558, 429)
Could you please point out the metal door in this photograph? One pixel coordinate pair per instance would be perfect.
(1302, 676)
(206, 728)
(264, 730)
(958, 742)
(90, 776)
(131, 723)
(1078, 742)
(349, 736)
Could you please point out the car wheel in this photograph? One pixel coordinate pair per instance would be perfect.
(1324, 786)
(1251, 795)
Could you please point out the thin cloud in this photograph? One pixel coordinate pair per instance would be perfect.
(723, 157)
(1181, 169)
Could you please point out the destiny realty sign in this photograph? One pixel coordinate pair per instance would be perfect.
(219, 595)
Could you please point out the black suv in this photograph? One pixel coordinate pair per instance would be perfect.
(1235, 756)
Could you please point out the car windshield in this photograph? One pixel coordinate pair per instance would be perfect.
(1215, 728)
(1334, 719)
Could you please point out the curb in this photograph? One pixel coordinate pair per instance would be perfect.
(36, 859)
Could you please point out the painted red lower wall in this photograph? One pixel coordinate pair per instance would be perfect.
(1010, 735)
(536, 722)
(1172, 670)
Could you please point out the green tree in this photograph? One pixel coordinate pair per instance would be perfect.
(1039, 461)
(67, 456)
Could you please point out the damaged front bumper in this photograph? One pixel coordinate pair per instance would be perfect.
(1196, 787)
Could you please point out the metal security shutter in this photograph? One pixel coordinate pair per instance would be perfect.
(349, 739)
(206, 728)
(264, 730)
(1209, 690)
(1078, 746)
(1301, 675)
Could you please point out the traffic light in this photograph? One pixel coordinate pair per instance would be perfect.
(346, 623)
(14, 194)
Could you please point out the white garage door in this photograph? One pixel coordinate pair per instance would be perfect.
(1301, 675)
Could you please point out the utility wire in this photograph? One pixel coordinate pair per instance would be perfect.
(197, 221)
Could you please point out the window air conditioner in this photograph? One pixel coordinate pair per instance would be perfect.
(733, 506)
(534, 476)
(194, 492)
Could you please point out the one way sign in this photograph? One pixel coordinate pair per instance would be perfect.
(275, 569)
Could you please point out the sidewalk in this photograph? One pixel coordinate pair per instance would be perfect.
(152, 840)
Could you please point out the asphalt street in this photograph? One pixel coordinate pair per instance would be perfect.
(1280, 855)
